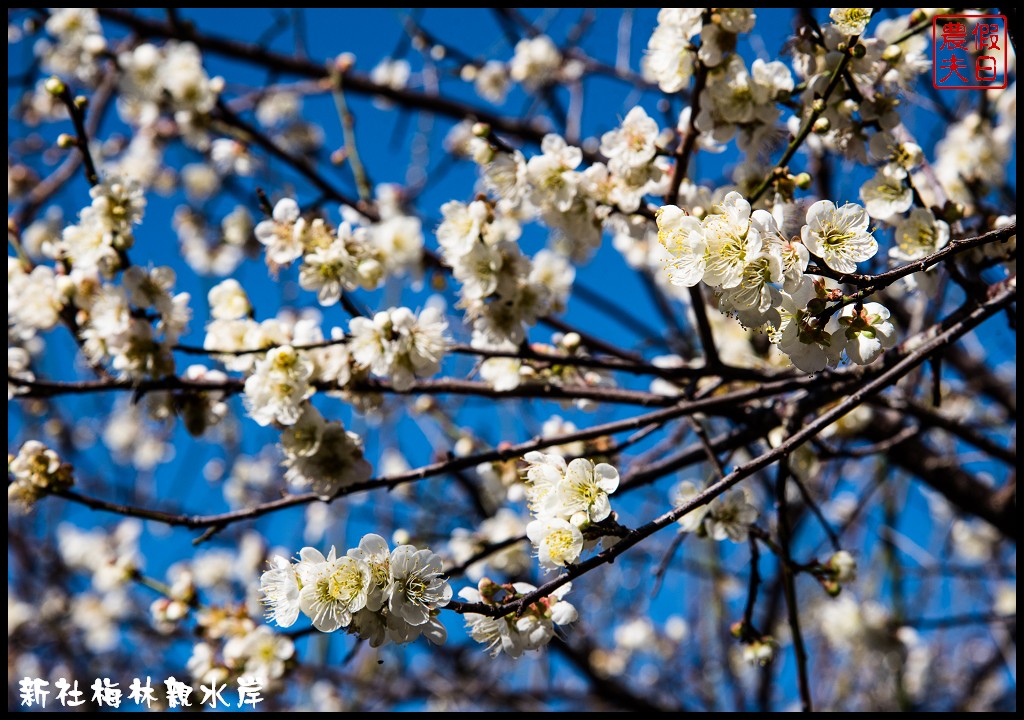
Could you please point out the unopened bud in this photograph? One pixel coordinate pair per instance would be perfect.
(481, 129)
(424, 404)
(54, 85)
(345, 62)
(821, 125)
(892, 54)
(843, 566)
(802, 181)
(858, 50)
(918, 16)
(571, 341)
(818, 105)
(65, 141)
(81, 102)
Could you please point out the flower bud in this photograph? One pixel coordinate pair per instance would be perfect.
(844, 566)
(892, 54)
(55, 86)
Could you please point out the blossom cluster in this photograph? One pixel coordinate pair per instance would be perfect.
(502, 290)
(375, 593)
(516, 633)
(566, 499)
(342, 259)
(759, 276)
(287, 359)
(727, 517)
(35, 470)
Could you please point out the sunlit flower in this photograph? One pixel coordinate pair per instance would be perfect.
(839, 235)
(851, 21)
(682, 235)
(417, 587)
(280, 588)
(558, 542)
(333, 589)
(867, 331)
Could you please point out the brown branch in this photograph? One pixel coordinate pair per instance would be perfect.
(355, 82)
(955, 327)
(873, 283)
(438, 468)
(946, 477)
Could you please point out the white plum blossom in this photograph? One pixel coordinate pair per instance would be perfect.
(867, 331)
(398, 241)
(323, 456)
(693, 520)
(727, 516)
(261, 654)
(544, 472)
(754, 291)
(462, 227)
(682, 235)
(392, 73)
(669, 60)
(552, 175)
(374, 551)
(491, 81)
(18, 363)
(502, 373)
(278, 386)
(417, 587)
(536, 62)
(35, 471)
(851, 21)
(919, 235)
(229, 301)
(512, 634)
(730, 516)
(899, 157)
(280, 588)
(632, 144)
(333, 588)
(558, 542)
(283, 233)
(399, 345)
(885, 196)
(804, 336)
(583, 491)
(844, 566)
(732, 241)
(839, 235)
(328, 271)
(33, 299)
(372, 592)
